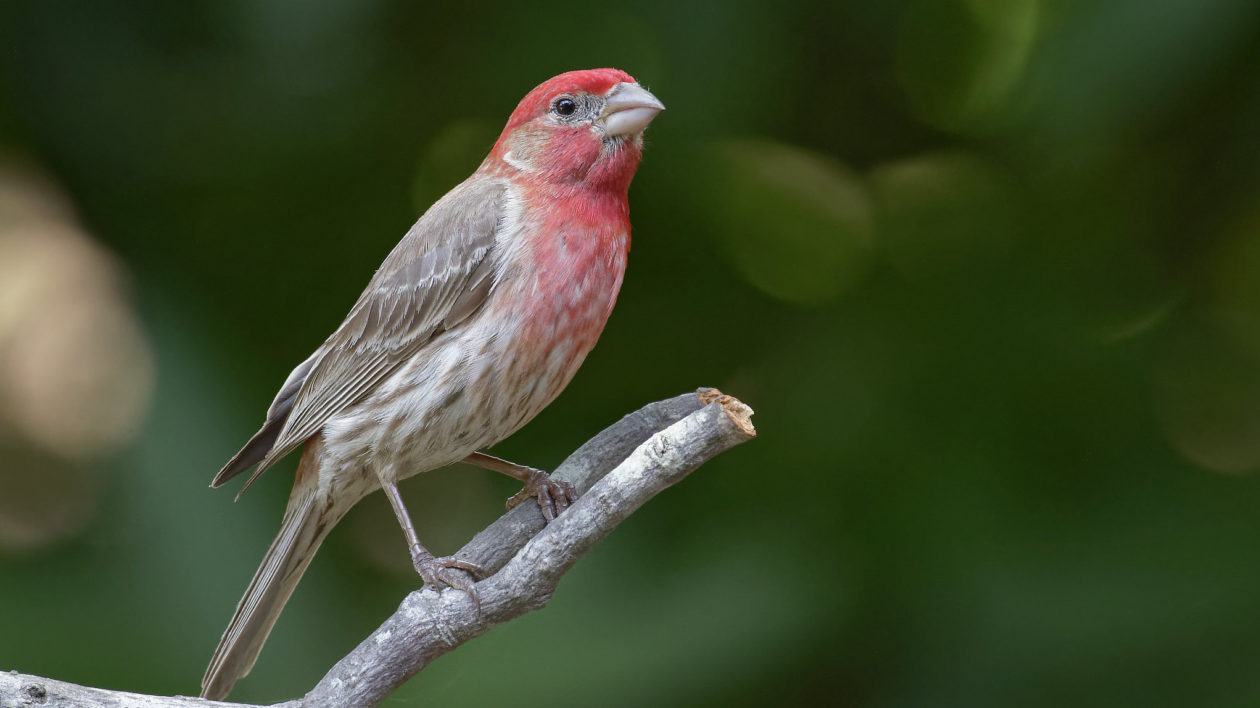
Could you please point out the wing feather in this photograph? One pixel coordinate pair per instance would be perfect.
(265, 439)
(439, 274)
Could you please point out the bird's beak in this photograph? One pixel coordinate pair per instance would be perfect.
(628, 109)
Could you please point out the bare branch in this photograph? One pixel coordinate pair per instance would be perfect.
(26, 691)
(617, 471)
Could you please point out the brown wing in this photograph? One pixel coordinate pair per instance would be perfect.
(434, 278)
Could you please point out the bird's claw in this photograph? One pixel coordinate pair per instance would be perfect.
(439, 572)
(553, 495)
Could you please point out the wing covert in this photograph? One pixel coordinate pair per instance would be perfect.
(439, 274)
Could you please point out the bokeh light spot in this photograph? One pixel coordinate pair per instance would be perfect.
(942, 214)
(796, 224)
(959, 60)
(1234, 280)
(1207, 395)
(76, 373)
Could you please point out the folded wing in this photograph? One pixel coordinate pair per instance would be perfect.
(437, 276)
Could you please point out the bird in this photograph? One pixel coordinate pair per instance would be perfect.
(473, 323)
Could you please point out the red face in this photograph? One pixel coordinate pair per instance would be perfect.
(536, 104)
(579, 128)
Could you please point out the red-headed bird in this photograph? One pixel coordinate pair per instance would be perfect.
(475, 322)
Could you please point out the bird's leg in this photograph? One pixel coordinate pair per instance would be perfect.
(434, 571)
(553, 495)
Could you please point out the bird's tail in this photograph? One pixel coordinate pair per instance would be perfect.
(306, 523)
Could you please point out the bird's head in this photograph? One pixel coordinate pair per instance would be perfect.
(581, 127)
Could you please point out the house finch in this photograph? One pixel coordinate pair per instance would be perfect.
(473, 324)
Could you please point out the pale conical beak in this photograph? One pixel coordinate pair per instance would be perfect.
(628, 109)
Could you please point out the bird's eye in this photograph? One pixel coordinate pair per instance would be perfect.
(565, 106)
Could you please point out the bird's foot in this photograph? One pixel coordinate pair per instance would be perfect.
(553, 495)
(441, 572)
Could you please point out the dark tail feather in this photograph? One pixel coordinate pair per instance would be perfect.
(253, 452)
(303, 529)
(258, 446)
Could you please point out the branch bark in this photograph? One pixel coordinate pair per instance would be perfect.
(616, 472)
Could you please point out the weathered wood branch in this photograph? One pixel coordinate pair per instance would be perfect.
(616, 472)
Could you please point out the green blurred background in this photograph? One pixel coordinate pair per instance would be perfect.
(988, 270)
